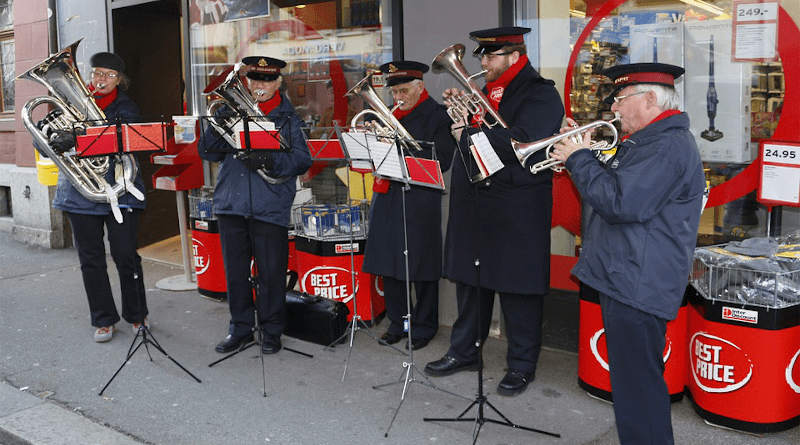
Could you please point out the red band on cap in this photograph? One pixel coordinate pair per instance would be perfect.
(404, 73)
(501, 39)
(265, 69)
(661, 78)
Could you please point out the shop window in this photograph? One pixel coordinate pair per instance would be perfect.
(7, 58)
(328, 45)
(733, 103)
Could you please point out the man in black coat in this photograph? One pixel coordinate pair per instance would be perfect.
(414, 210)
(498, 232)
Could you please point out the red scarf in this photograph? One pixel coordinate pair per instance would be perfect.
(497, 88)
(400, 114)
(663, 115)
(268, 106)
(105, 101)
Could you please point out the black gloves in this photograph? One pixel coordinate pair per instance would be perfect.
(257, 160)
(223, 115)
(62, 141)
(51, 116)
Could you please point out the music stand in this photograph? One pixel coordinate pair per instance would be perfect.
(478, 146)
(244, 140)
(120, 138)
(389, 162)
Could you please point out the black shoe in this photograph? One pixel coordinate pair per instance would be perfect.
(448, 365)
(515, 382)
(389, 338)
(232, 343)
(418, 343)
(271, 344)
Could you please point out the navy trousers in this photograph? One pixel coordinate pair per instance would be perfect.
(635, 342)
(424, 311)
(244, 239)
(523, 316)
(87, 234)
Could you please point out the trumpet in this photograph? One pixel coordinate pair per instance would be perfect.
(472, 102)
(389, 125)
(525, 150)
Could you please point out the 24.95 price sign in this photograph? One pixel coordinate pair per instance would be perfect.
(780, 173)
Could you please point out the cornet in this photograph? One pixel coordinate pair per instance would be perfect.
(525, 150)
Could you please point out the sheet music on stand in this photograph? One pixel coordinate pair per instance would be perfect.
(367, 151)
(103, 138)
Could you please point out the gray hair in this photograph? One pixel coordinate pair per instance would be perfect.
(666, 97)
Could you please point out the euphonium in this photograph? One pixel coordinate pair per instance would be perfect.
(525, 150)
(474, 101)
(389, 124)
(71, 96)
(229, 87)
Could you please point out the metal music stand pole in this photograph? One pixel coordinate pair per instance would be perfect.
(144, 335)
(356, 323)
(253, 269)
(407, 377)
(481, 401)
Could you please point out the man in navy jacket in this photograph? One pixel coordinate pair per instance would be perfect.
(639, 244)
(414, 214)
(498, 231)
(254, 213)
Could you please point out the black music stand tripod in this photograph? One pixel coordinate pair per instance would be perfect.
(480, 401)
(246, 151)
(143, 335)
(407, 377)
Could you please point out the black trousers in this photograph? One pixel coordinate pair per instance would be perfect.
(244, 239)
(635, 342)
(87, 234)
(424, 312)
(523, 317)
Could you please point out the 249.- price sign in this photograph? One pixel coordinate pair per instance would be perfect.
(756, 12)
(780, 173)
(755, 31)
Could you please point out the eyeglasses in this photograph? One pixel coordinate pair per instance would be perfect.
(491, 56)
(107, 75)
(618, 99)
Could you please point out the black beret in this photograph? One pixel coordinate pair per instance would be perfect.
(263, 68)
(641, 73)
(402, 71)
(495, 38)
(107, 60)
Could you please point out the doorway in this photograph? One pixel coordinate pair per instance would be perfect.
(147, 36)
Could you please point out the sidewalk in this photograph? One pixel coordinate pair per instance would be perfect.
(52, 372)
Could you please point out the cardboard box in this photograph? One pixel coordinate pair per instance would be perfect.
(729, 138)
(662, 43)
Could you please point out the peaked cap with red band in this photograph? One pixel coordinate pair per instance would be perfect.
(402, 71)
(641, 73)
(263, 68)
(490, 40)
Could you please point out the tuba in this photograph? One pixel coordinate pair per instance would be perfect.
(525, 150)
(71, 96)
(233, 93)
(389, 126)
(474, 101)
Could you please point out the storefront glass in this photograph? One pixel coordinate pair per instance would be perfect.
(328, 45)
(733, 88)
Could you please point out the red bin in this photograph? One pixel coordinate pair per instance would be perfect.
(593, 375)
(208, 263)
